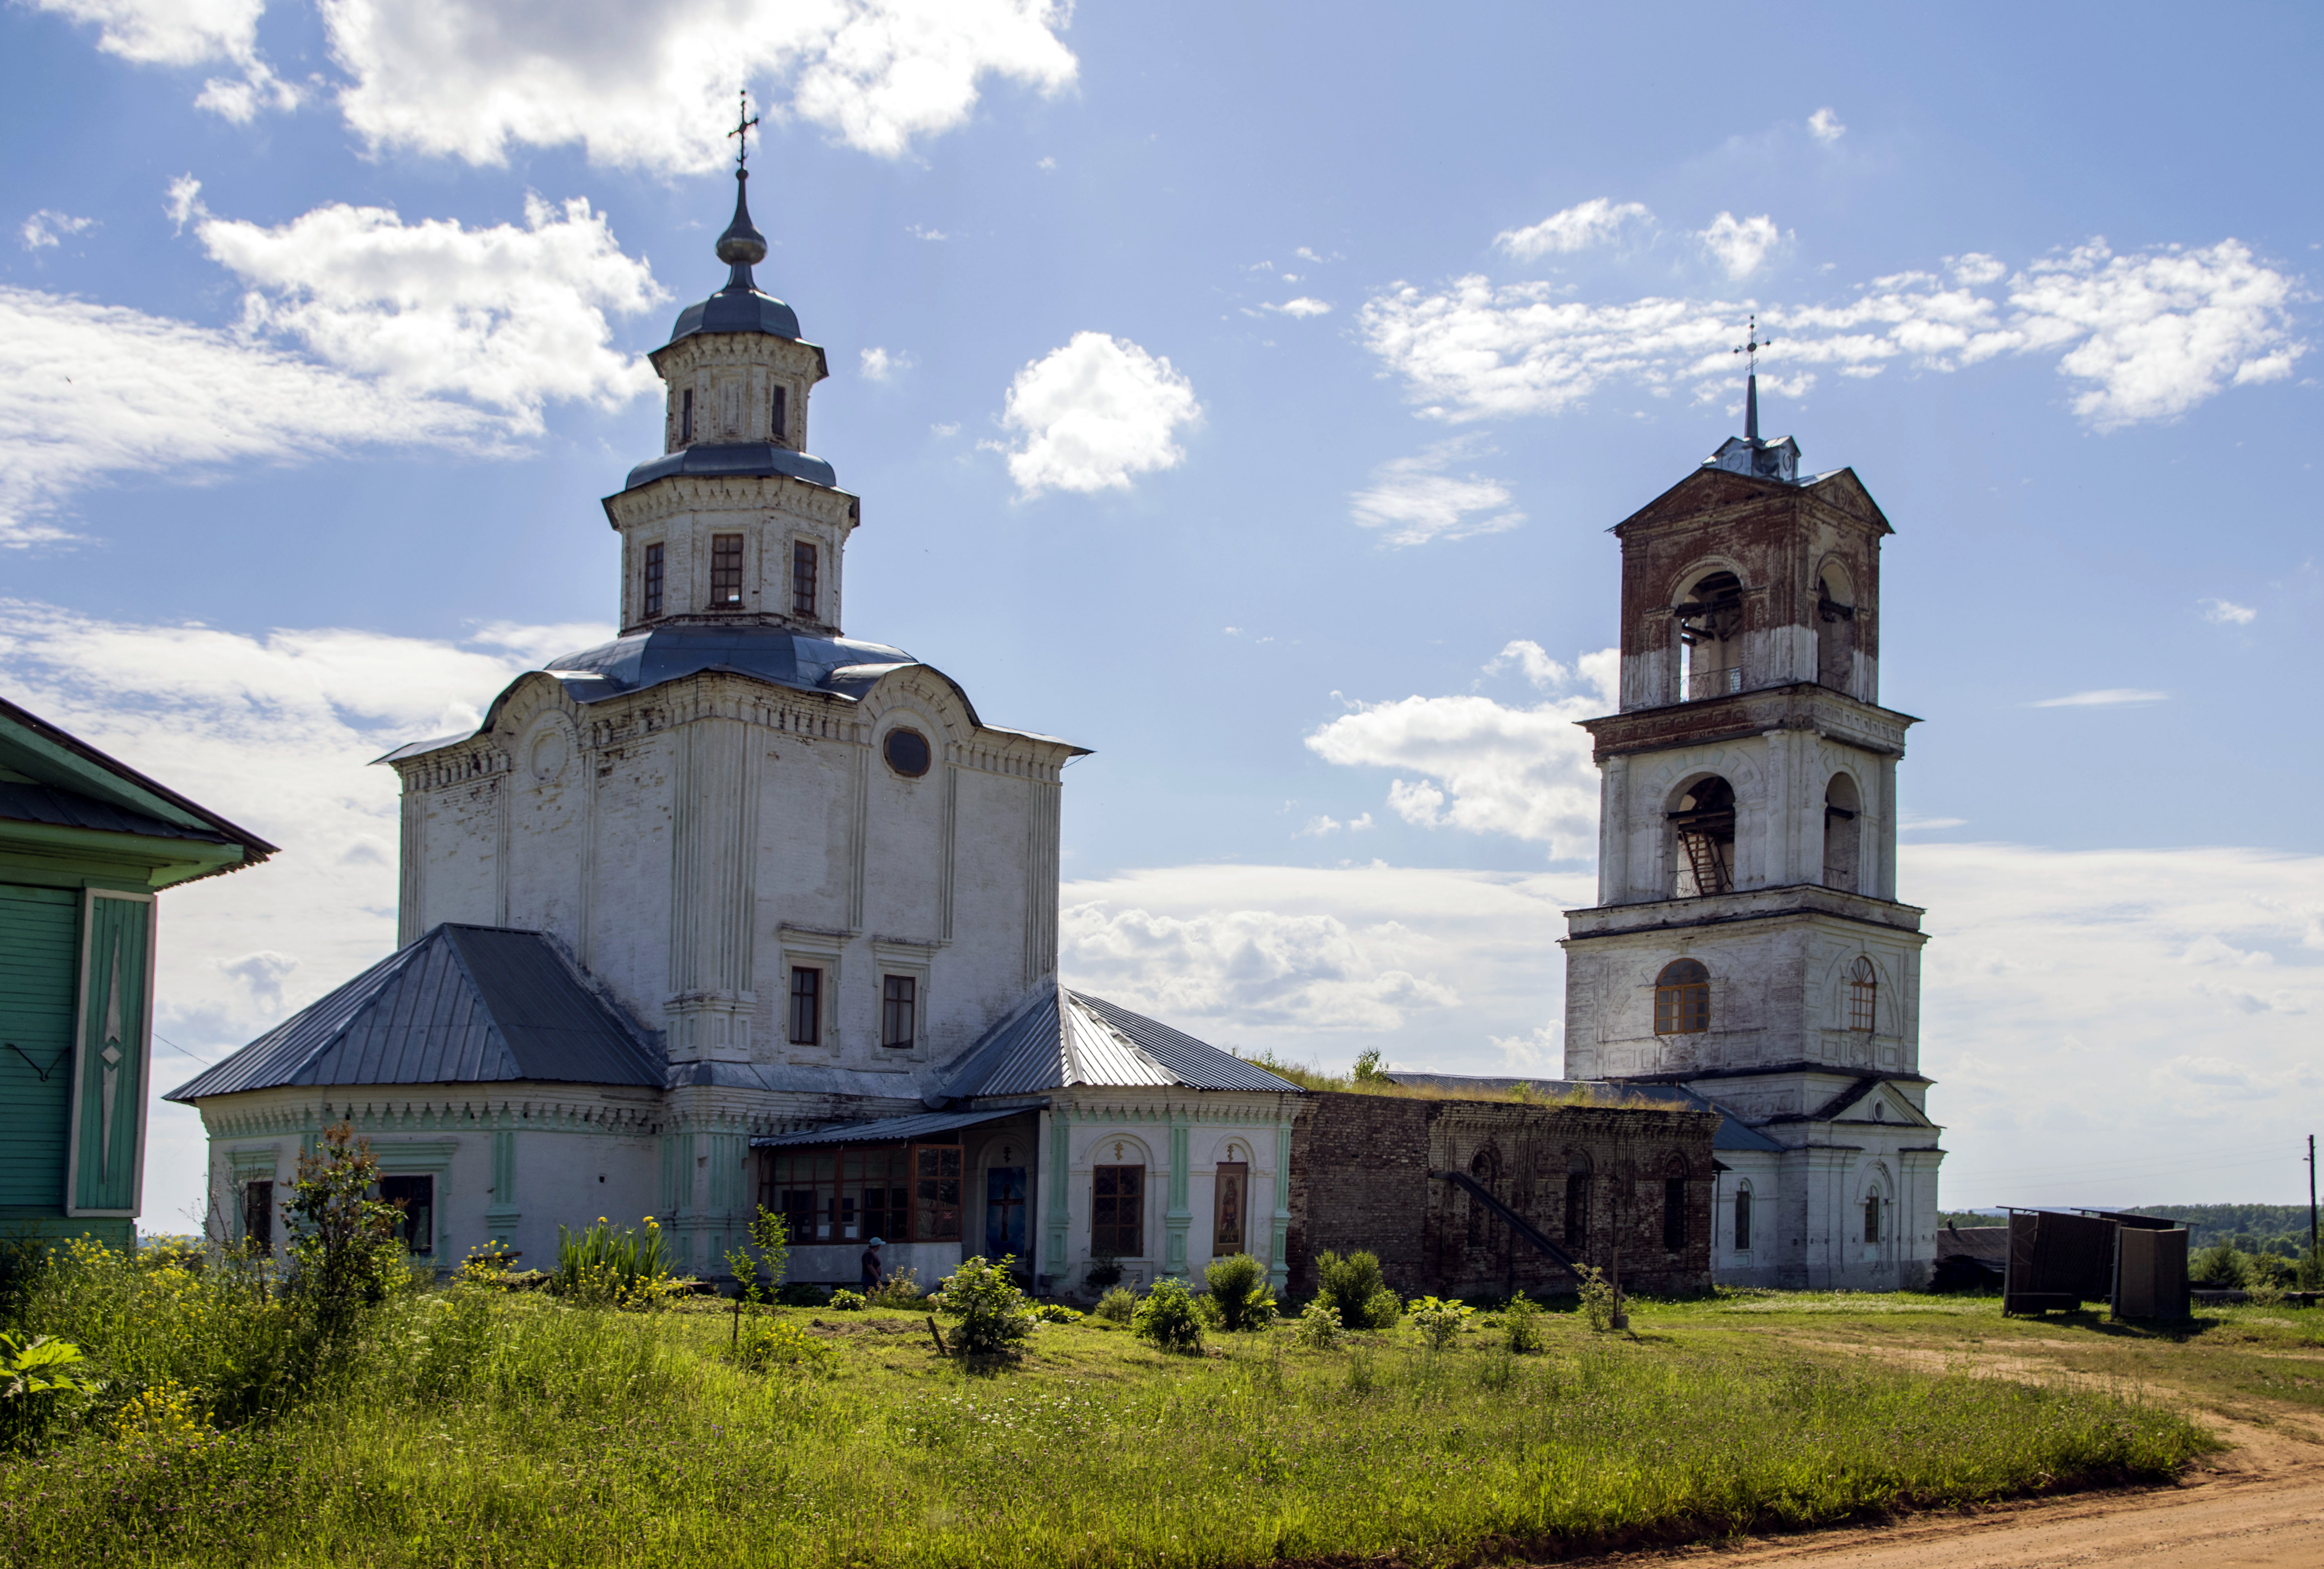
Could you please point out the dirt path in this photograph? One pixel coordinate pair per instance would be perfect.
(2260, 1505)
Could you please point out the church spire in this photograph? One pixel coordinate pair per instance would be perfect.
(742, 245)
(1751, 347)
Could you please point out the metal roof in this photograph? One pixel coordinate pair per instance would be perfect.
(464, 1004)
(846, 666)
(1062, 1037)
(32, 803)
(735, 458)
(888, 1130)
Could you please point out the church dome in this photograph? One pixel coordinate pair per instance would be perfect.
(741, 306)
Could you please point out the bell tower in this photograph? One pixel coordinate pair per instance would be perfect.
(1748, 942)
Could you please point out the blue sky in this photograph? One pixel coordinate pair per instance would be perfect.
(1252, 389)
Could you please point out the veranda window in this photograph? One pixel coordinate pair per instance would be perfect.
(840, 1195)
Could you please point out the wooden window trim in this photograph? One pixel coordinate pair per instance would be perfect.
(726, 571)
(1682, 999)
(899, 1010)
(1117, 1211)
(825, 1206)
(1863, 995)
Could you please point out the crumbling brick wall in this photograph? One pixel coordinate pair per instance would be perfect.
(1360, 1179)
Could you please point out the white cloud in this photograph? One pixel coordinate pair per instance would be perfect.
(1325, 825)
(880, 365)
(185, 203)
(1091, 415)
(1825, 126)
(2146, 335)
(919, 232)
(1415, 500)
(2103, 697)
(1533, 661)
(178, 33)
(45, 229)
(1740, 244)
(1046, 163)
(1486, 767)
(1976, 269)
(240, 101)
(951, 427)
(504, 316)
(1595, 222)
(651, 83)
(2227, 612)
(1303, 305)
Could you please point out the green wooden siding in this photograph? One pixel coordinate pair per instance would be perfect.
(39, 947)
(112, 1050)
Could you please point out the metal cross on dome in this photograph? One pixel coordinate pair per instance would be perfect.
(745, 120)
(1751, 344)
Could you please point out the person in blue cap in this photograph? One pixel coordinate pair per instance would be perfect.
(872, 1275)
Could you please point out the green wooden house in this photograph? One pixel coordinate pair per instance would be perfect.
(86, 843)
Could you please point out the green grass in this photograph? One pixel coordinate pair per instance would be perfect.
(484, 1428)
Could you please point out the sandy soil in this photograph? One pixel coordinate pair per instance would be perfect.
(2260, 1505)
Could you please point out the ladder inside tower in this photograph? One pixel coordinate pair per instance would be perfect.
(1704, 827)
(1705, 863)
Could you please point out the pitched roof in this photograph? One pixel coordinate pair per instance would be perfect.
(1062, 1037)
(889, 1130)
(464, 1004)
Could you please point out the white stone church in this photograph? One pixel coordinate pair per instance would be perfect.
(737, 910)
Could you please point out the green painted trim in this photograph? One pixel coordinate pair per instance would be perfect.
(149, 861)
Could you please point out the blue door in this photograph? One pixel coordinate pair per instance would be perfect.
(1004, 1213)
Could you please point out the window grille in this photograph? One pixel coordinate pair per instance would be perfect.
(725, 569)
(936, 1192)
(416, 1197)
(1673, 1213)
(1118, 1212)
(779, 427)
(650, 601)
(802, 578)
(1682, 998)
(898, 1010)
(1863, 993)
(1743, 1221)
(807, 1006)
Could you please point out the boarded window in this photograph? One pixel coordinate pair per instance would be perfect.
(807, 1006)
(779, 427)
(898, 1010)
(1682, 998)
(649, 596)
(936, 1192)
(725, 569)
(1118, 1212)
(1233, 1199)
(258, 1215)
(1863, 993)
(416, 1197)
(1673, 1213)
(802, 578)
(1743, 1220)
(1872, 1217)
(1577, 1209)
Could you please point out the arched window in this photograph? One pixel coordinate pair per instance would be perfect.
(1682, 998)
(1486, 1169)
(1742, 1220)
(1863, 993)
(1577, 1202)
(1703, 832)
(1711, 633)
(1674, 1226)
(1871, 1217)
(1835, 630)
(1843, 833)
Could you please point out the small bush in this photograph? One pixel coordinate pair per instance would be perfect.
(1168, 1319)
(898, 1288)
(1318, 1328)
(2219, 1268)
(1521, 1328)
(1598, 1302)
(802, 1294)
(1117, 1305)
(1239, 1296)
(1353, 1287)
(347, 1248)
(1056, 1313)
(1103, 1274)
(994, 1316)
(845, 1301)
(1439, 1321)
(767, 1343)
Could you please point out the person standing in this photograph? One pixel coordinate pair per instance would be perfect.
(871, 1272)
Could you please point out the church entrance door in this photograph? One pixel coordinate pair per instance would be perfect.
(1004, 1213)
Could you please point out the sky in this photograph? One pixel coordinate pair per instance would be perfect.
(1244, 393)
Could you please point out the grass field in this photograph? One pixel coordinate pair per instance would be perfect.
(480, 1428)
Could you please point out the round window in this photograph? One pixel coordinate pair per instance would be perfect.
(907, 752)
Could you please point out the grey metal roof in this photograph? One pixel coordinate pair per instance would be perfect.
(845, 666)
(888, 1130)
(464, 1004)
(734, 457)
(1062, 1037)
(32, 803)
